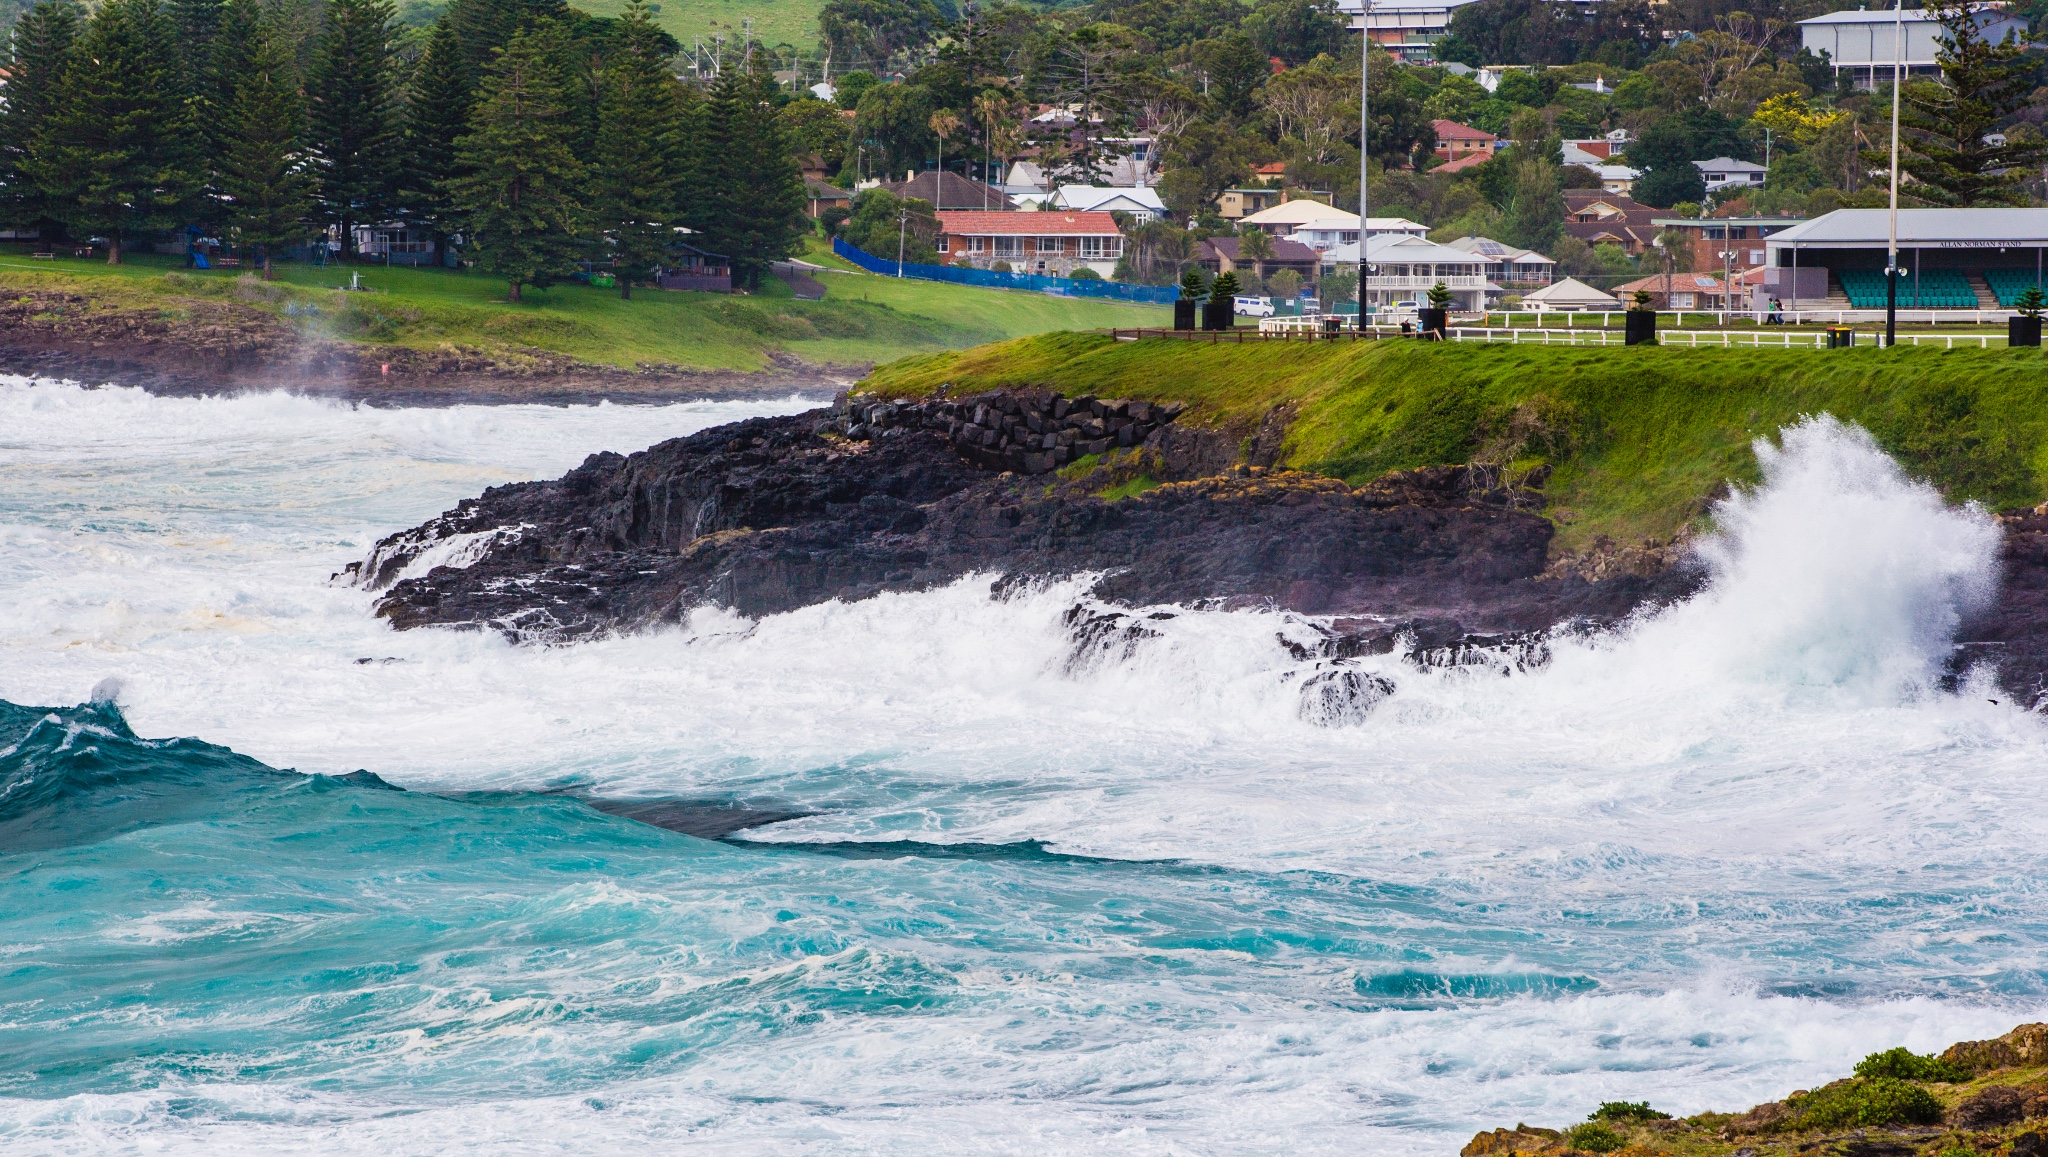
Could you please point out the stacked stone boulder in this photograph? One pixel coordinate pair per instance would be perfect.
(1025, 432)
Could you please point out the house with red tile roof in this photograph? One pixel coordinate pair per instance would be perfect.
(1455, 141)
(1053, 242)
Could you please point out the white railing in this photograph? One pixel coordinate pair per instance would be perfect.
(1710, 339)
(1570, 319)
(1391, 284)
(1294, 323)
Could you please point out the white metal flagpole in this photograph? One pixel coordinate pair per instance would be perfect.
(1891, 267)
(1364, 140)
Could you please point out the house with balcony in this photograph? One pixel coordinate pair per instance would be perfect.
(1052, 242)
(1513, 269)
(1408, 29)
(1403, 268)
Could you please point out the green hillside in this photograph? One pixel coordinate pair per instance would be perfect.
(1637, 439)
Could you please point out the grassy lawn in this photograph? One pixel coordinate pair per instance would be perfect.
(864, 318)
(775, 21)
(1637, 439)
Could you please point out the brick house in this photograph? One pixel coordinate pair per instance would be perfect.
(1052, 241)
(1599, 217)
(1455, 142)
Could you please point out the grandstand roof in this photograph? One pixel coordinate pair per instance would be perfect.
(1920, 228)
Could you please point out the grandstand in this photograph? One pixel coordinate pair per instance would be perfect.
(1932, 289)
(2008, 284)
(1950, 258)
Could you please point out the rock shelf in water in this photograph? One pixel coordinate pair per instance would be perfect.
(772, 514)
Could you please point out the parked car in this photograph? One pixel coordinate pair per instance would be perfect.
(1252, 306)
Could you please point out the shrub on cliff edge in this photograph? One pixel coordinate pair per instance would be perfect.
(1864, 1102)
(1905, 1065)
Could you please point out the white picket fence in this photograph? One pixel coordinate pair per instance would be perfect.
(1711, 339)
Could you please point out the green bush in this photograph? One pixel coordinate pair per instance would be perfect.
(1594, 1137)
(1865, 1102)
(1084, 274)
(1627, 1111)
(1904, 1065)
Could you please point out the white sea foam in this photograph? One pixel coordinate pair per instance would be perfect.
(1755, 793)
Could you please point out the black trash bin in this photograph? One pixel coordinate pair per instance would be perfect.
(2023, 331)
(1841, 337)
(1639, 327)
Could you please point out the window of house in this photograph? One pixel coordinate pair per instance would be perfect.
(977, 245)
(1049, 245)
(1091, 246)
(1007, 247)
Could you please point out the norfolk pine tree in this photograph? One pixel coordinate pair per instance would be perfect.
(636, 180)
(354, 115)
(265, 173)
(1946, 124)
(518, 188)
(745, 194)
(36, 69)
(438, 116)
(119, 145)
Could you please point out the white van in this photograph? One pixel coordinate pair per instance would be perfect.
(1252, 306)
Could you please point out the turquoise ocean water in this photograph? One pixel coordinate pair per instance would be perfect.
(1034, 899)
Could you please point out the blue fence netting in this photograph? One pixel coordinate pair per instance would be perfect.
(992, 279)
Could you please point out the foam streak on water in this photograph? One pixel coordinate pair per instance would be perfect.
(1130, 903)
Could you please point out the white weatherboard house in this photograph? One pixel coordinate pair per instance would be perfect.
(1142, 204)
(1861, 42)
(1509, 265)
(1403, 268)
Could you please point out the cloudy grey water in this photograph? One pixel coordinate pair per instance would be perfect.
(1133, 904)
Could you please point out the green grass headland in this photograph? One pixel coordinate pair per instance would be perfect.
(864, 317)
(1637, 440)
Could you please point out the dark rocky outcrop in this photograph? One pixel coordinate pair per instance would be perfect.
(776, 513)
(1447, 564)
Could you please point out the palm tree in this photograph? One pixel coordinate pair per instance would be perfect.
(944, 125)
(1676, 247)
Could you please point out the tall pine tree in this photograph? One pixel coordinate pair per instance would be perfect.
(442, 92)
(354, 115)
(226, 58)
(518, 190)
(35, 84)
(118, 150)
(266, 174)
(636, 180)
(1949, 126)
(745, 195)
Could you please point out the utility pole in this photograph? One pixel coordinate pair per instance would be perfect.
(1364, 141)
(1891, 265)
(902, 223)
(747, 26)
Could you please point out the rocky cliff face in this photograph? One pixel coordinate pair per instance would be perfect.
(772, 514)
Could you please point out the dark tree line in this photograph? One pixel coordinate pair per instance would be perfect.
(539, 134)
